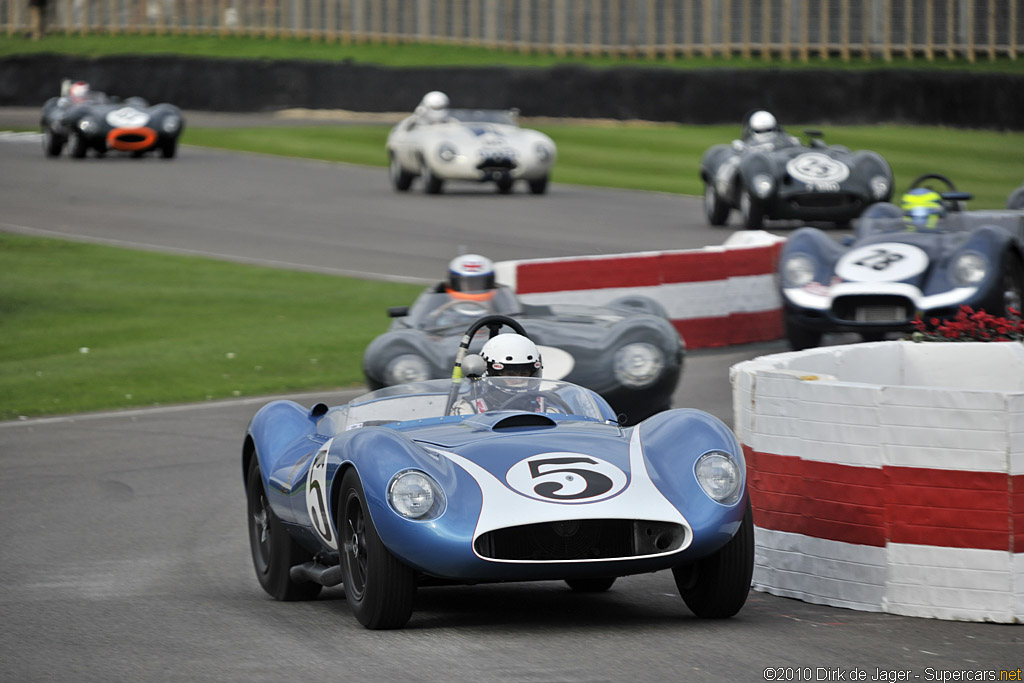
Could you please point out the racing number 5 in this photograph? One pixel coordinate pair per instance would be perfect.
(595, 482)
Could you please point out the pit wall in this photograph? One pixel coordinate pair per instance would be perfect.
(888, 477)
(715, 296)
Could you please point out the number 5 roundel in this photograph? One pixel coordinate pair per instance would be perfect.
(566, 477)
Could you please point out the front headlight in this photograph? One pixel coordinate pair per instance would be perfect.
(638, 364)
(879, 187)
(171, 124)
(408, 367)
(87, 123)
(447, 152)
(542, 152)
(797, 271)
(719, 475)
(969, 269)
(762, 185)
(414, 495)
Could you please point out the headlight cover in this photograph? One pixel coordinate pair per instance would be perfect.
(763, 185)
(969, 268)
(447, 152)
(415, 495)
(638, 364)
(408, 367)
(879, 187)
(719, 475)
(87, 123)
(171, 124)
(797, 271)
(542, 152)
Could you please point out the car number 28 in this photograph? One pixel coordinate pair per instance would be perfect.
(566, 477)
(887, 262)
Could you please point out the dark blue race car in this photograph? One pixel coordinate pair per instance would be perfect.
(773, 175)
(84, 119)
(929, 261)
(410, 486)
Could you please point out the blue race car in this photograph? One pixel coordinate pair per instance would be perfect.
(770, 174)
(927, 258)
(410, 486)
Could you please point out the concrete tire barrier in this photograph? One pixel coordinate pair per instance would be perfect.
(889, 477)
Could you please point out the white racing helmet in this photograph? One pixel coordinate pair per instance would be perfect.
(512, 355)
(434, 106)
(763, 122)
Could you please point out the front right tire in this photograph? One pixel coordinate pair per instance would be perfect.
(801, 337)
(400, 178)
(379, 588)
(716, 210)
(53, 143)
(753, 213)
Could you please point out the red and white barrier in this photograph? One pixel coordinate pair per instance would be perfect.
(715, 296)
(889, 477)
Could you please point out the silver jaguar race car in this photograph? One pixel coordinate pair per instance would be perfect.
(438, 144)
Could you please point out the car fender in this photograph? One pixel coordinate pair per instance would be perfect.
(378, 454)
(822, 250)
(391, 344)
(672, 443)
(756, 163)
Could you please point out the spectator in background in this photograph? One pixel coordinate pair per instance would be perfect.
(37, 13)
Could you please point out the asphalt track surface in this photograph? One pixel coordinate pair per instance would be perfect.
(125, 555)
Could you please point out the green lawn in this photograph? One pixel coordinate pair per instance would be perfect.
(415, 54)
(88, 327)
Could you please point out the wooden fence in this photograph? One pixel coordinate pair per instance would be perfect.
(666, 29)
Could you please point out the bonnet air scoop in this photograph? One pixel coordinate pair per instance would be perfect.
(523, 420)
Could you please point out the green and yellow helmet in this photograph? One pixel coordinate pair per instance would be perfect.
(922, 208)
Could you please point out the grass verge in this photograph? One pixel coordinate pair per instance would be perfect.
(89, 327)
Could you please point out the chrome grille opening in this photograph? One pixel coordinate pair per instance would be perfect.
(874, 309)
(581, 539)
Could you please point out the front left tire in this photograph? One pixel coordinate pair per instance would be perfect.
(379, 588)
(717, 586)
(274, 552)
(78, 146)
(432, 184)
(539, 186)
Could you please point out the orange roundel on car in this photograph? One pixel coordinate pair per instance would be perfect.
(131, 139)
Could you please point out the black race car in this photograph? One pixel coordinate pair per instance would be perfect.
(629, 351)
(1016, 199)
(86, 119)
(773, 175)
(902, 263)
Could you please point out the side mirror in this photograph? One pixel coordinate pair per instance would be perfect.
(398, 311)
(473, 366)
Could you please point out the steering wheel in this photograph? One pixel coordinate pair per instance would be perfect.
(951, 197)
(919, 181)
(556, 400)
(472, 308)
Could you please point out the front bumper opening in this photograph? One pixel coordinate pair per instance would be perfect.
(581, 539)
(895, 310)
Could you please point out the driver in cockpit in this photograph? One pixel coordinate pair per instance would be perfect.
(515, 359)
